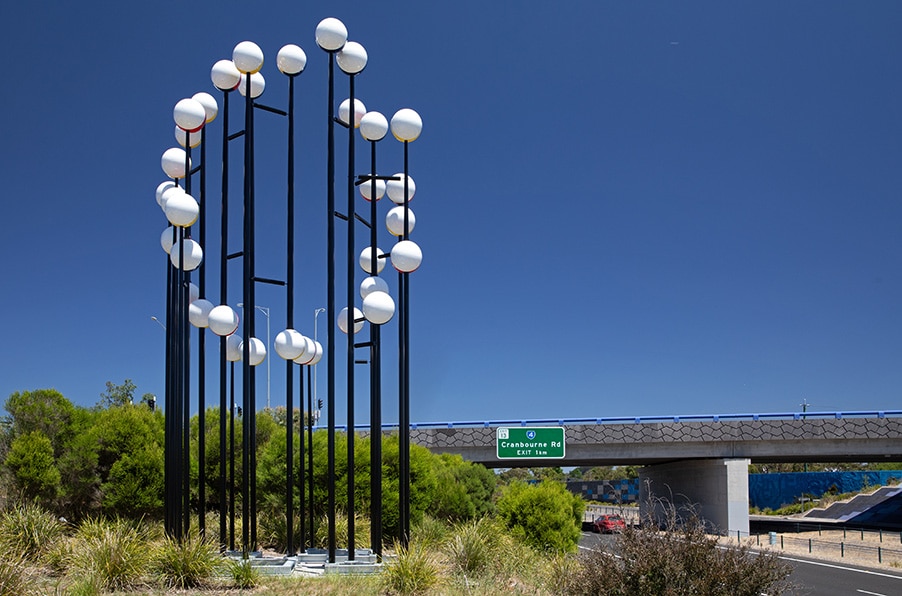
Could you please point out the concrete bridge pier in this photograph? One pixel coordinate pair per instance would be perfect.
(716, 489)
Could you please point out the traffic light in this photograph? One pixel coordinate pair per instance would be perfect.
(319, 404)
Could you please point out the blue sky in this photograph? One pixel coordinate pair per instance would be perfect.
(624, 208)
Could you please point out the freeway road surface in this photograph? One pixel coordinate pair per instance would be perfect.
(814, 577)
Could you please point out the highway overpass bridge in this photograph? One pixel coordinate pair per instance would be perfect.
(701, 459)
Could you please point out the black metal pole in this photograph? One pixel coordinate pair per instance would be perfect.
(248, 313)
(289, 370)
(404, 353)
(201, 356)
(232, 459)
(310, 406)
(330, 313)
(169, 411)
(185, 329)
(301, 457)
(224, 506)
(375, 384)
(351, 318)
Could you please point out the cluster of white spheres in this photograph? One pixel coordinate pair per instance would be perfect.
(292, 345)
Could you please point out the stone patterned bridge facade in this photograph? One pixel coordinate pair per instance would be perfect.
(705, 462)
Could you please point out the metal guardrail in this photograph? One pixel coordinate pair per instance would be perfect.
(836, 415)
(847, 546)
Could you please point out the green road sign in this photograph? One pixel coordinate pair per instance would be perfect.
(541, 442)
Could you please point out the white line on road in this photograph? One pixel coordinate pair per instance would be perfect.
(871, 593)
(843, 567)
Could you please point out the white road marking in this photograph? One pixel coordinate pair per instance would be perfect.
(844, 568)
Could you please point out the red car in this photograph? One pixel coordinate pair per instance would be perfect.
(608, 524)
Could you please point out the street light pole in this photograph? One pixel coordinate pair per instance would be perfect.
(265, 311)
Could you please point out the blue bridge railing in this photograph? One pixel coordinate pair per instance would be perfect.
(837, 415)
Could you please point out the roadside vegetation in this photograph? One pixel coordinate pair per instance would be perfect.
(81, 513)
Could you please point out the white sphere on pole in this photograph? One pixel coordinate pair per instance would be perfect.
(223, 320)
(183, 137)
(199, 312)
(173, 162)
(248, 57)
(352, 58)
(225, 76)
(343, 320)
(394, 220)
(233, 348)
(373, 126)
(372, 284)
(169, 193)
(257, 351)
(168, 238)
(189, 114)
(192, 257)
(406, 125)
(181, 210)
(366, 257)
(289, 344)
(318, 348)
(344, 111)
(378, 308)
(211, 108)
(258, 85)
(308, 354)
(406, 256)
(163, 187)
(291, 59)
(366, 189)
(331, 34)
(395, 189)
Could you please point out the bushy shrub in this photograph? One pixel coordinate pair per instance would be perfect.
(187, 563)
(411, 571)
(429, 531)
(116, 553)
(362, 537)
(546, 516)
(28, 529)
(680, 559)
(244, 576)
(15, 576)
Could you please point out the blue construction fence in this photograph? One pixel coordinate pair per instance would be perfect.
(766, 491)
(773, 491)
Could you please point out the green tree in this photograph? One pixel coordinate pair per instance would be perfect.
(545, 516)
(30, 459)
(43, 410)
(134, 486)
(125, 433)
(117, 395)
(464, 489)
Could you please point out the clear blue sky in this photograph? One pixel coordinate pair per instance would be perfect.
(624, 208)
